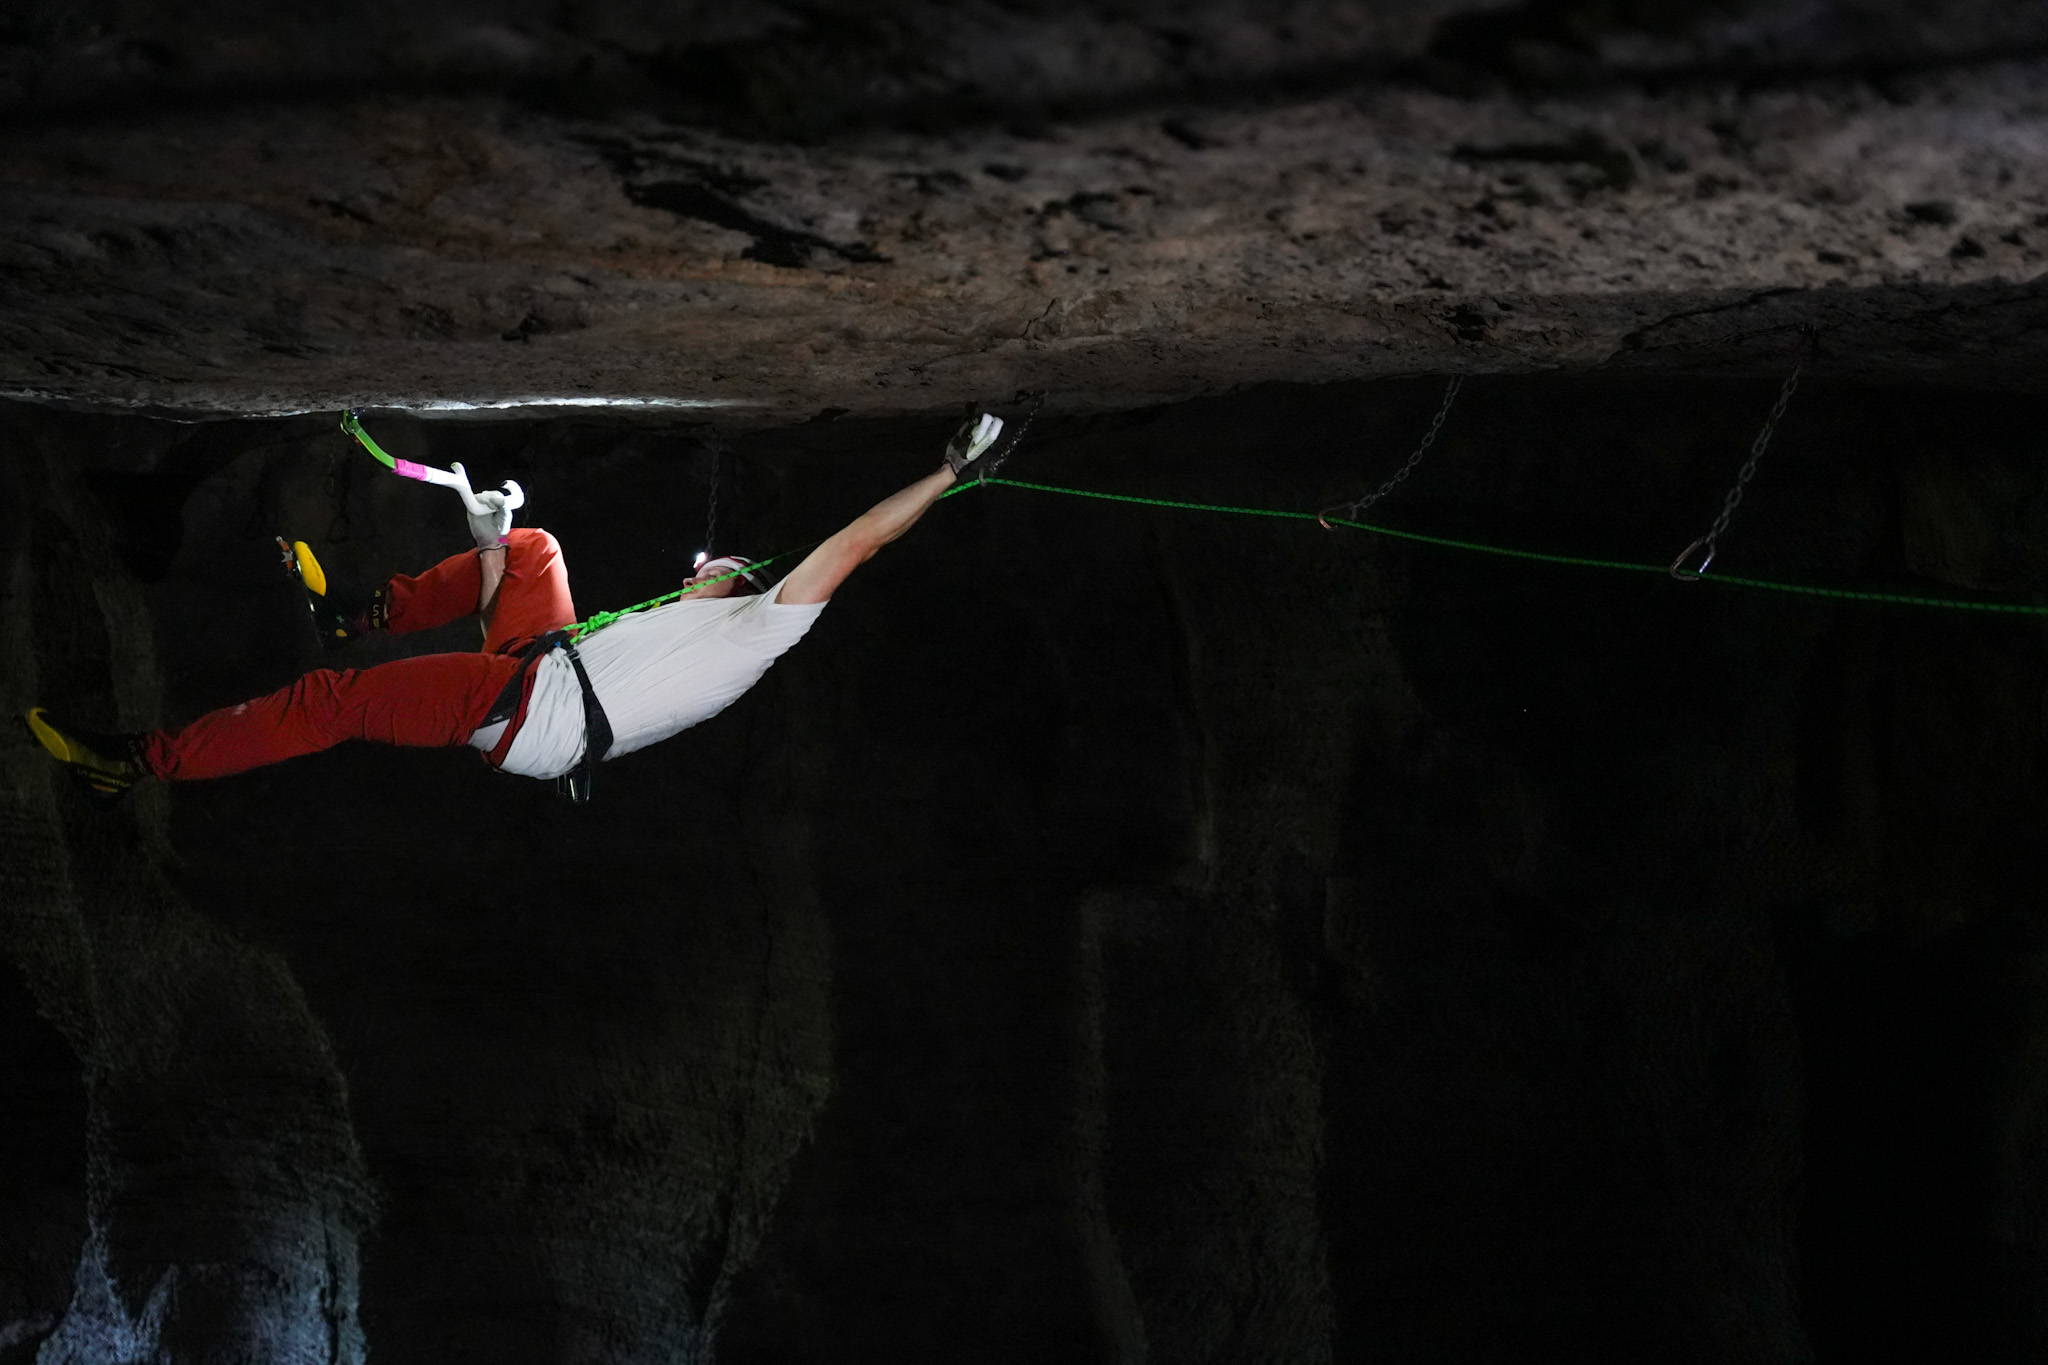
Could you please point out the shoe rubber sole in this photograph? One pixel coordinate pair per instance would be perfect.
(107, 776)
(301, 563)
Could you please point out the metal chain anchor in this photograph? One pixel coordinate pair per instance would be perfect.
(987, 465)
(1708, 541)
(718, 453)
(1351, 511)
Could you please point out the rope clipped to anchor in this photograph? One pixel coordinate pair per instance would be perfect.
(1710, 541)
(1349, 511)
(1346, 515)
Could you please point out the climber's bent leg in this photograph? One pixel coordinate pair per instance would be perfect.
(532, 597)
(444, 593)
(431, 702)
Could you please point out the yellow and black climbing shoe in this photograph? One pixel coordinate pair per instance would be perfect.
(106, 764)
(334, 624)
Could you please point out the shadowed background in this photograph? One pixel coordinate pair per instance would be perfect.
(1114, 933)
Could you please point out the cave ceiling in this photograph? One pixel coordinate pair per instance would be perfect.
(770, 212)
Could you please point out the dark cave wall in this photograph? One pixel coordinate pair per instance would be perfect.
(582, 1064)
(1114, 933)
(42, 1173)
(216, 1178)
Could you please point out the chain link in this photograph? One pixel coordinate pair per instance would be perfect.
(718, 453)
(990, 462)
(1710, 540)
(1350, 511)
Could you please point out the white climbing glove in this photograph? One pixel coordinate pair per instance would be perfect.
(975, 436)
(490, 512)
(493, 526)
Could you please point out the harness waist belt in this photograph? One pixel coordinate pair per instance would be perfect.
(597, 729)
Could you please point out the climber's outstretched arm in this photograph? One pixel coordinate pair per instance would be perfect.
(825, 568)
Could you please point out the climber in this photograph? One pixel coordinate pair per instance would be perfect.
(535, 700)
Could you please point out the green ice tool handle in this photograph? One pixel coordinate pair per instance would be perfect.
(456, 478)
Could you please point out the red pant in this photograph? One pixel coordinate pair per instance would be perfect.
(434, 701)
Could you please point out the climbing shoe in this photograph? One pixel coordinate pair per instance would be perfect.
(107, 764)
(975, 436)
(334, 625)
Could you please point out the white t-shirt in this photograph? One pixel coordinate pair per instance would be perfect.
(655, 673)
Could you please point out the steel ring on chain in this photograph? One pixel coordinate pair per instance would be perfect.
(1684, 575)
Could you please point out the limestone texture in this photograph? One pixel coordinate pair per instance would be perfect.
(777, 212)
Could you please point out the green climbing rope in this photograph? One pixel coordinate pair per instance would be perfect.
(1768, 585)
(599, 620)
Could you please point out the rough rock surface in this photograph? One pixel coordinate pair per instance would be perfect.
(895, 209)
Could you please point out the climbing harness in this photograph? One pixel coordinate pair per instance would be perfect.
(597, 731)
(1709, 541)
(1353, 509)
(597, 728)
